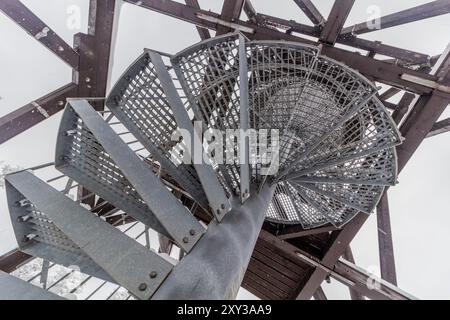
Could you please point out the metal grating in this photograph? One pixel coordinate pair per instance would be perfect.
(81, 156)
(38, 236)
(139, 102)
(209, 75)
(335, 136)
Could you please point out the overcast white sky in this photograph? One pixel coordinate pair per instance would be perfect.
(419, 203)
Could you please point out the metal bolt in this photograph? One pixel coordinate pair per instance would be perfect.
(218, 211)
(153, 274)
(192, 232)
(87, 79)
(142, 287)
(222, 206)
(60, 103)
(185, 240)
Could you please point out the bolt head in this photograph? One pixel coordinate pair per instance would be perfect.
(185, 240)
(192, 232)
(222, 206)
(142, 287)
(153, 274)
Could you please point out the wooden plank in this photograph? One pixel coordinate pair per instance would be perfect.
(286, 283)
(36, 28)
(267, 247)
(258, 290)
(262, 284)
(275, 279)
(13, 260)
(336, 19)
(36, 111)
(281, 264)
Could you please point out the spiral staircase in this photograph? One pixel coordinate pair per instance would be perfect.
(331, 146)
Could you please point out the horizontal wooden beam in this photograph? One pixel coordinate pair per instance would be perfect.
(35, 27)
(374, 69)
(349, 40)
(27, 116)
(296, 231)
(424, 11)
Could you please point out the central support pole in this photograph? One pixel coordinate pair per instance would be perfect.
(215, 267)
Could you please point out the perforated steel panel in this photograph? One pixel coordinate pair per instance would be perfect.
(38, 236)
(80, 156)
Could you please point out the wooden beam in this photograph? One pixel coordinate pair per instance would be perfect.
(402, 107)
(95, 49)
(439, 127)
(418, 124)
(336, 19)
(203, 32)
(36, 111)
(36, 28)
(336, 249)
(425, 11)
(425, 112)
(385, 244)
(348, 255)
(250, 11)
(319, 294)
(389, 93)
(291, 232)
(375, 47)
(376, 70)
(231, 11)
(310, 10)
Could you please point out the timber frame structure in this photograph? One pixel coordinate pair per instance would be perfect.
(288, 262)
